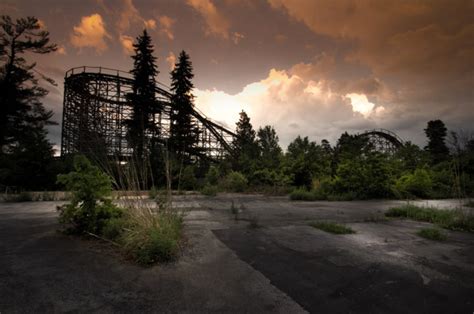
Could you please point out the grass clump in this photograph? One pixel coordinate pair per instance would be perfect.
(157, 240)
(432, 234)
(331, 227)
(305, 195)
(448, 219)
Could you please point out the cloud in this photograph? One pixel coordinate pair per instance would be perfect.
(361, 104)
(216, 24)
(292, 104)
(128, 15)
(416, 37)
(281, 38)
(127, 44)
(237, 37)
(150, 24)
(171, 59)
(166, 26)
(90, 33)
(61, 50)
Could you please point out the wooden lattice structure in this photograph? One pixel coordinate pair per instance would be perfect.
(383, 140)
(95, 109)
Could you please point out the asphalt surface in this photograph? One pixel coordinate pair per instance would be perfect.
(264, 259)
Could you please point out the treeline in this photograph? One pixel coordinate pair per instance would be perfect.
(352, 168)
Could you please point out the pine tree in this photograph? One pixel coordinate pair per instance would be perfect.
(142, 98)
(184, 132)
(25, 152)
(245, 145)
(436, 132)
(21, 113)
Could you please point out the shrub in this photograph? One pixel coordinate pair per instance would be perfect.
(89, 207)
(212, 176)
(432, 234)
(332, 227)
(235, 182)
(188, 179)
(417, 184)
(209, 190)
(155, 242)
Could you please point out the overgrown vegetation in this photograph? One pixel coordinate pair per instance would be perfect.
(454, 219)
(434, 234)
(331, 227)
(145, 235)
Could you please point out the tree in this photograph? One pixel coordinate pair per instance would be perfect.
(142, 98)
(436, 132)
(270, 151)
(184, 132)
(245, 145)
(23, 117)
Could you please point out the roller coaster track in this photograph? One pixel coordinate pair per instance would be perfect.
(95, 108)
(383, 140)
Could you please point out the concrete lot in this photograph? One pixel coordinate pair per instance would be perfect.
(282, 266)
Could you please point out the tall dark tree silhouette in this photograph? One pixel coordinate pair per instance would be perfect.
(436, 132)
(184, 132)
(21, 112)
(142, 98)
(245, 144)
(25, 152)
(270, 151)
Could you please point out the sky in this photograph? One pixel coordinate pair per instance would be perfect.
(307, 67)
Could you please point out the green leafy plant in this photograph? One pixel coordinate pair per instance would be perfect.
(89, 208)
(209, 190)
(235, 182)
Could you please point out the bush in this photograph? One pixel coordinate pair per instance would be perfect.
(156, 242)
(235, 182)
(332, 227)
(432, 234)
(209, 190)
(417, 184)
(212, 176)
(89, 207)
(188, 179)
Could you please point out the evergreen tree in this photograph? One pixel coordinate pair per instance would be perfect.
(142, 98)
(270, 151)
(245, 145)
(24, 149)
(436, 132)
(184, 132)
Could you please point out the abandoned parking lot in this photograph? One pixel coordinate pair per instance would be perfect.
(262, 256)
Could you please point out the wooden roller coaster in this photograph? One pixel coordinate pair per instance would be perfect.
(95, 108)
